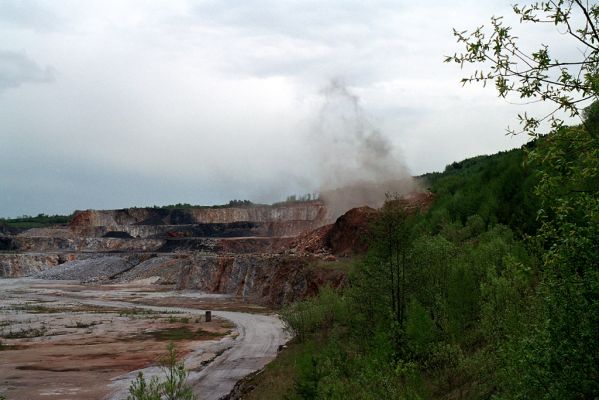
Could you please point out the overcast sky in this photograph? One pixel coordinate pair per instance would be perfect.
(109, 104)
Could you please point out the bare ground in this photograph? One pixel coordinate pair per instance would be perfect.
(63, 340)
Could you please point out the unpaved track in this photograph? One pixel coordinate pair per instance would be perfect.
(257, 343)
(259, 339)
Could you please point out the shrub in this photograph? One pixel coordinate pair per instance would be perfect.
(314, 314)
(173, 387)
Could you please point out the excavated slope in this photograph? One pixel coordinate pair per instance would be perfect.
(263, 254)
(312, 211)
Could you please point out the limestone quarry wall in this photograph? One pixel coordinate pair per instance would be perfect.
(21, 264)
(313, 211)
(266, 279)
(261, 279)
(85, 244)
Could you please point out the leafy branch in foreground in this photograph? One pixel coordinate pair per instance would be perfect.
(558, 357)
(538, 75)
(173, 387)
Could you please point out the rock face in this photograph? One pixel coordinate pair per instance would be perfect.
(18, 265)
(264, 254)
(263, 279)
(84, 244)
(237, 250)
(278, 220)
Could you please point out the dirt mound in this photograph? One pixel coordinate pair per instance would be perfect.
(347, 236)
(88, 269)
(350, 233)
(82, 218)
(313, 242)
(419, 201)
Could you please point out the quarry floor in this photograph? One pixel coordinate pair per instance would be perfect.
(64, 340)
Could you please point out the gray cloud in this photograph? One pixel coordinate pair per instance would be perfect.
(17, 69)
(205, 101)
(30, 14)
(313, 40)
(306, 19)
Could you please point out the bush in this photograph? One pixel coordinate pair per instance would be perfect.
(315, 314)
(173, 387)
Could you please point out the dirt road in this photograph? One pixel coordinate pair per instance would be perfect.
(215, 365)
(256, 343)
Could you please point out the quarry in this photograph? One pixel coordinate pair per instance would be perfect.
(87, 305)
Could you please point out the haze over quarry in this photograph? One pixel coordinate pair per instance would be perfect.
(109, 104)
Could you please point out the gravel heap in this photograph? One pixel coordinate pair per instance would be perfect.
(85, 270)
(160, 266)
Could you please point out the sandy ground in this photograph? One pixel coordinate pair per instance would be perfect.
(63, 340)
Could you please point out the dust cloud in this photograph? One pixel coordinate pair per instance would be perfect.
(357, 163)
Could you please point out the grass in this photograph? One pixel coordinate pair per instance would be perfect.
(25, 333)
(141, 313)
(42, 309)
(39, 309)
(182, 320)
(340, 264)
(80, 324)
(4, 346)
(182, 333)
(277, 379)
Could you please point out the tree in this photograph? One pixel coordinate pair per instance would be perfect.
(559, 358)
(538, 75)
(393, 236)
(173, 387)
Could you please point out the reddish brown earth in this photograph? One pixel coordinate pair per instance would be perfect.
(76, 350)
(350, 234)
(71, 361)
(58, 369)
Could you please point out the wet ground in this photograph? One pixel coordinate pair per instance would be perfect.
(63, 340)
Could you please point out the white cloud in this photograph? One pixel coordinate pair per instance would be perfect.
(205, 101)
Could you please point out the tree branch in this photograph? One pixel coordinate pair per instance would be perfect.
(588, 18)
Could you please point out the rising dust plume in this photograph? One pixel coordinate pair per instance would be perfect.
(358, 163)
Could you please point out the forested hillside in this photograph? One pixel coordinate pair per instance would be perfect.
(482, 295)
(493, 292)
(498, 188)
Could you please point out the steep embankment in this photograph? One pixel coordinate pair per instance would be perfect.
(237, 250)
(280, 220)
(264, 254)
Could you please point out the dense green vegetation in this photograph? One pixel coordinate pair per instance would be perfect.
(39, 221)
(429, 311)
(494, 291)
(497, 188)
